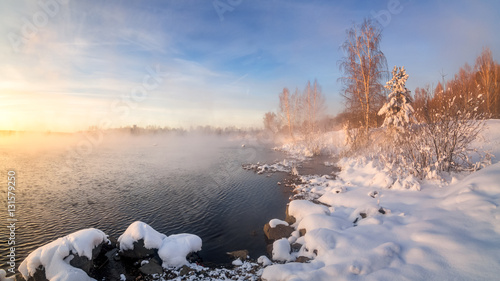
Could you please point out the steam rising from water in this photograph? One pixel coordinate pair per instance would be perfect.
(176, 184)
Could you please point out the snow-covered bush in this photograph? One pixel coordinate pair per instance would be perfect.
(355, 139)
(442, 142)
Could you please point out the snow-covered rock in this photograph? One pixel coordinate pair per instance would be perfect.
(281, 250)
(172, 249)
(302, 208)
(274, 222)
(55, 257)
(140, 231)
(175, 248)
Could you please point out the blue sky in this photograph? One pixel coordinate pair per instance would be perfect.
(69, 64)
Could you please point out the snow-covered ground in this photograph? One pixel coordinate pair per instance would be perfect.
(369, 227)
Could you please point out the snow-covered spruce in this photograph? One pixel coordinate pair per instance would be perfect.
(398, 110)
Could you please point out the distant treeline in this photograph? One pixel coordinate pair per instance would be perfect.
(152, 130)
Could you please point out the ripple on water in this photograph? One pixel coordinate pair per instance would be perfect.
(211, 196)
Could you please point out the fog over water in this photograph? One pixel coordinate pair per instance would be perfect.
(177, 184)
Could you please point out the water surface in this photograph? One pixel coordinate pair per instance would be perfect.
(176, 184)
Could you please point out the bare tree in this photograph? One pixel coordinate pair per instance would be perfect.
(271, 122)
(364, 67)
(288, 109)
(486, 68)
(313, 105)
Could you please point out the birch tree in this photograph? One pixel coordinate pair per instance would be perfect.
(364, 67)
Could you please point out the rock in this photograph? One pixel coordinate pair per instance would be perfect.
(113, 267)
(381, 210)
(192, 258)
(113, 241)
(278, 232)
(302, 259)
(241, 254)
(296, 247)
(151, 268)
(289, 219)
(302, 232)
(39, 275)
(185, 270)
(139, 251)
(269, 249)
(83, 262)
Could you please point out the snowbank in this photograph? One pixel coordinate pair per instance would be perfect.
(371, 232)
(55, 256)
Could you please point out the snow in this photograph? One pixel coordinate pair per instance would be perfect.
(3, 275)
(281, 250)
(237, 262)
(382, 228)
(302, 208)
(275, 222)
(175, 248)
(172, 249)
(265, 261)
(139, 230)
(54, 256)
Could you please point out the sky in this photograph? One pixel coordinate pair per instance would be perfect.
(67, 64)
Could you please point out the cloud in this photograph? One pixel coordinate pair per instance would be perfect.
(91, 53)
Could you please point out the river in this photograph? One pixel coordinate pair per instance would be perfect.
(177, 184)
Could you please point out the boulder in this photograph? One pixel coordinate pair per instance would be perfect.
(139, 251)
(296, 247)
(83, 262)
(185, 270)
(150, 268)
(289, 218)
(241, 254)
(302, 259)
(39, 275)
(278, 232)
(269, 249)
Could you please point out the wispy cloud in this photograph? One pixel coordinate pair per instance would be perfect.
(91, 53)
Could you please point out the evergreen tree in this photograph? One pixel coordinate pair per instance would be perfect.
(398, 110)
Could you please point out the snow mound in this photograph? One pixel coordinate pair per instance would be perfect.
(175, 248)
(275, 222)
(137, 231)
(281, 250)
(302, 208)
(54, 256)
(172, 249)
